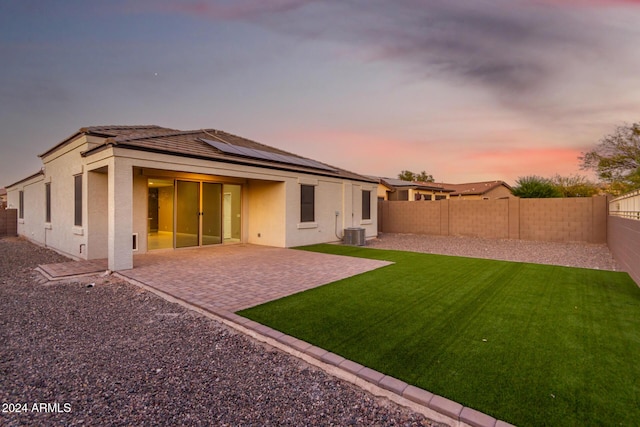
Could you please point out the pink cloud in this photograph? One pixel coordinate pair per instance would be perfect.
(511, 164)
(448, 161)
(235, 10)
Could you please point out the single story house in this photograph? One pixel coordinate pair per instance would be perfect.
(113, 191)
(486, 190)
(397, 189)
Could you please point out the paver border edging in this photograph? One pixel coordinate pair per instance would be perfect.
(434, 407)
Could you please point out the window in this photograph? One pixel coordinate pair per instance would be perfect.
(21, 205)
(366, 204)
(441, 197)
(77, 211)
(307, 203)
(47, 202)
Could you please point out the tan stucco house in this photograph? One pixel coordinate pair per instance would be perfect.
(400, 190)
(114, 191)
(397, 189)
(485, 190)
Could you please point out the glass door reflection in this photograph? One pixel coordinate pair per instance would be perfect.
(211, 213)
(187, 214)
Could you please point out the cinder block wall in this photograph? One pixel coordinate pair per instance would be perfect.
(623, 239)
(8, 222)
(489, 218)
(420, 217)
(558, 220)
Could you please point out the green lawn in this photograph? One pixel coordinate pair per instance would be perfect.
(526, 343)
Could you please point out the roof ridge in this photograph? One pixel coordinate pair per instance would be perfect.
(492, 181)
(89, 128)
(174, 133)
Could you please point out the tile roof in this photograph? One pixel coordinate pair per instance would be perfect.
(475, 188)
(189, 144)
(419, 185)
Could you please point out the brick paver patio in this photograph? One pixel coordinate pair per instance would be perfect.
(231, 277)
(225, 279)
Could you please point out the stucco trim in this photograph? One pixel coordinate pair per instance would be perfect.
(304, 225)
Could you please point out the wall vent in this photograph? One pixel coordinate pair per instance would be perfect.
(135, 241)
(354, 236)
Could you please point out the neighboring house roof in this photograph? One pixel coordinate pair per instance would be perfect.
(416, 185)
(209, 144)
(475, 188)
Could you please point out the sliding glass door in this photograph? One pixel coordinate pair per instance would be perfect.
(211, 213)
(206, 213)
(187, 214)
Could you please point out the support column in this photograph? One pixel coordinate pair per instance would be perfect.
(120, 206)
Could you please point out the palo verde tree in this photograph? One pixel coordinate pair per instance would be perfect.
(407, 175)
(616, 159)
(534, 186)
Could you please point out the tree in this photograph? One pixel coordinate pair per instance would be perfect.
(575, 186)
(616, 159)
(534, 186)
(407, 175)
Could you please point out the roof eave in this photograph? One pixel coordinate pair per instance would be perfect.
(40, 172)
(80, 132)
(111, 143)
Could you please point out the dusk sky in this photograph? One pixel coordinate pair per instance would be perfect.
(464, 90)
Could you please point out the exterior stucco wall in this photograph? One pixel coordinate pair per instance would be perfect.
(331, 196)
(500, 192)
(140, 210)
(97, 221)
(383, 192)
(31, 225)
(266, 216)
(60, 168)
(115, 198)
(423, 193)
(271, 198)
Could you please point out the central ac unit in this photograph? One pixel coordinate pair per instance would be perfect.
(354, 236)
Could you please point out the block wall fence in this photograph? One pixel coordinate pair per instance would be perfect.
(556, 220)
(8, 222)
(623, 239)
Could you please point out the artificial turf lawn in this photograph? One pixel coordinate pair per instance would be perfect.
(526, 343)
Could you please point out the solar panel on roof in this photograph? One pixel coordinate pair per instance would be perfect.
(265, 155)
(225, 148)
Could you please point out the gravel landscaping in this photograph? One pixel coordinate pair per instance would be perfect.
(584, 255)
(114, 354)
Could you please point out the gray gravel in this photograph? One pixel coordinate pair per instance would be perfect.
(575, 254)
(118, 355)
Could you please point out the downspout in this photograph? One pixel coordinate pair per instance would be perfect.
(336, 228)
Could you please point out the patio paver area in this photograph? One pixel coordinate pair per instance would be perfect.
(231, 277)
